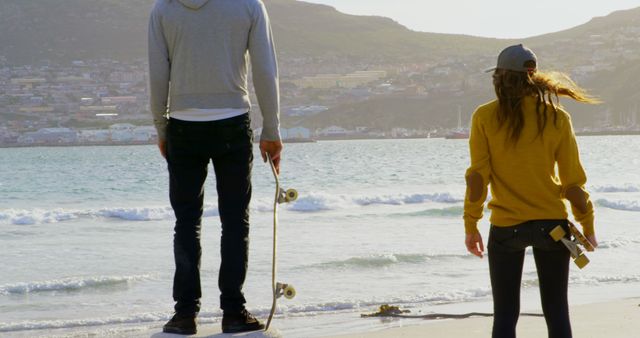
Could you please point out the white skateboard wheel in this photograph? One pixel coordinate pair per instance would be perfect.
(291, 195)
(289, 292)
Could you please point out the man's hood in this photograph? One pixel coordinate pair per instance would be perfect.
(193, 4)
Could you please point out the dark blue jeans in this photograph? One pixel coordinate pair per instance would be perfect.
(506, 248)
(190, 148)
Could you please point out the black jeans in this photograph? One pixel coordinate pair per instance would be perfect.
(190, 147)
(506, 248)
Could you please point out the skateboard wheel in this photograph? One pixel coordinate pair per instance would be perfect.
(557, 233)
(291, 195)
(289, 292)
(582, 261)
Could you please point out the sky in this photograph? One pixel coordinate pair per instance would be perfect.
(487, 18)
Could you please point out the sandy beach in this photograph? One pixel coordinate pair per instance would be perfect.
(616, 319)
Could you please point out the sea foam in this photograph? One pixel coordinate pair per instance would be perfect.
(608, 279)
(78, 323)
(616, 188)
(39, 216)
(322, 202)
(68, 284)
(619, 205)
(386, 260)
(407, 199)
(36, 216)
(315, 202)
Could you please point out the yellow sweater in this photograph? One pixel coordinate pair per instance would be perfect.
(525, 182)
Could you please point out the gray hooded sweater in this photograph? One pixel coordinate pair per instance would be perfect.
(198, 58)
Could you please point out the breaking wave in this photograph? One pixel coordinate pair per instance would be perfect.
(39, 216)
(599, 280)
(619, 205)
(445, 212)
(309, 203)
(616, 188)
(67, 284)
(322, 202)
(67, 324)
(378, 261)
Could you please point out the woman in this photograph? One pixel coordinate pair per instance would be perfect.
(516, 142)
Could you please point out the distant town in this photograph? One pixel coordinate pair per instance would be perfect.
(106, 101)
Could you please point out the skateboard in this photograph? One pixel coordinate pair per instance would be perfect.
(279, 289)
(558, 234)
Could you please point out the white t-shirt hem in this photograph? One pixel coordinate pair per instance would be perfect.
(206, 115)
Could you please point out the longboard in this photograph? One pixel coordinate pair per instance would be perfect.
(279, 289)
(573, 244)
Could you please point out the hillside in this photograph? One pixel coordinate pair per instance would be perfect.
(601, 55)
(66, 30)
(304, 29)
(597, 25)
(61, 31)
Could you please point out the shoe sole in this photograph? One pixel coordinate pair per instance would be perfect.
(242, 329)
(181, 332)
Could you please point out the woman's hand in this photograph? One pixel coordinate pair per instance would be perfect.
(474, 244)
(593, 240)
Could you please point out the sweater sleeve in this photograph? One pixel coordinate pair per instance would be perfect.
(477, 176)
(159, 70)
(573, 178)
(265, 73)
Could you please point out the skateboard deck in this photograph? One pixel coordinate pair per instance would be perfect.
(279, 289)
(573, 244)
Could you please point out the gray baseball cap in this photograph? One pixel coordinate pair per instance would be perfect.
(514, 58)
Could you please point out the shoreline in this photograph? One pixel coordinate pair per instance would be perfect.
(618, 318)
(290, 141)
(611, 319)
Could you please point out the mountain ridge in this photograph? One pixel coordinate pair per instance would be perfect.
(77, 29)
(86, 29)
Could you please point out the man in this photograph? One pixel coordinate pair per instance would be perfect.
(198, 61)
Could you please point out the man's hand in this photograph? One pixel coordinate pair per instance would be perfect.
(273, 149)
(162, 145)
(474, 244)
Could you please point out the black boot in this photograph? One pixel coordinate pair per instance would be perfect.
(181, 324)
(240, 322)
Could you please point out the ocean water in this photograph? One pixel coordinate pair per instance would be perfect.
(86, 237)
